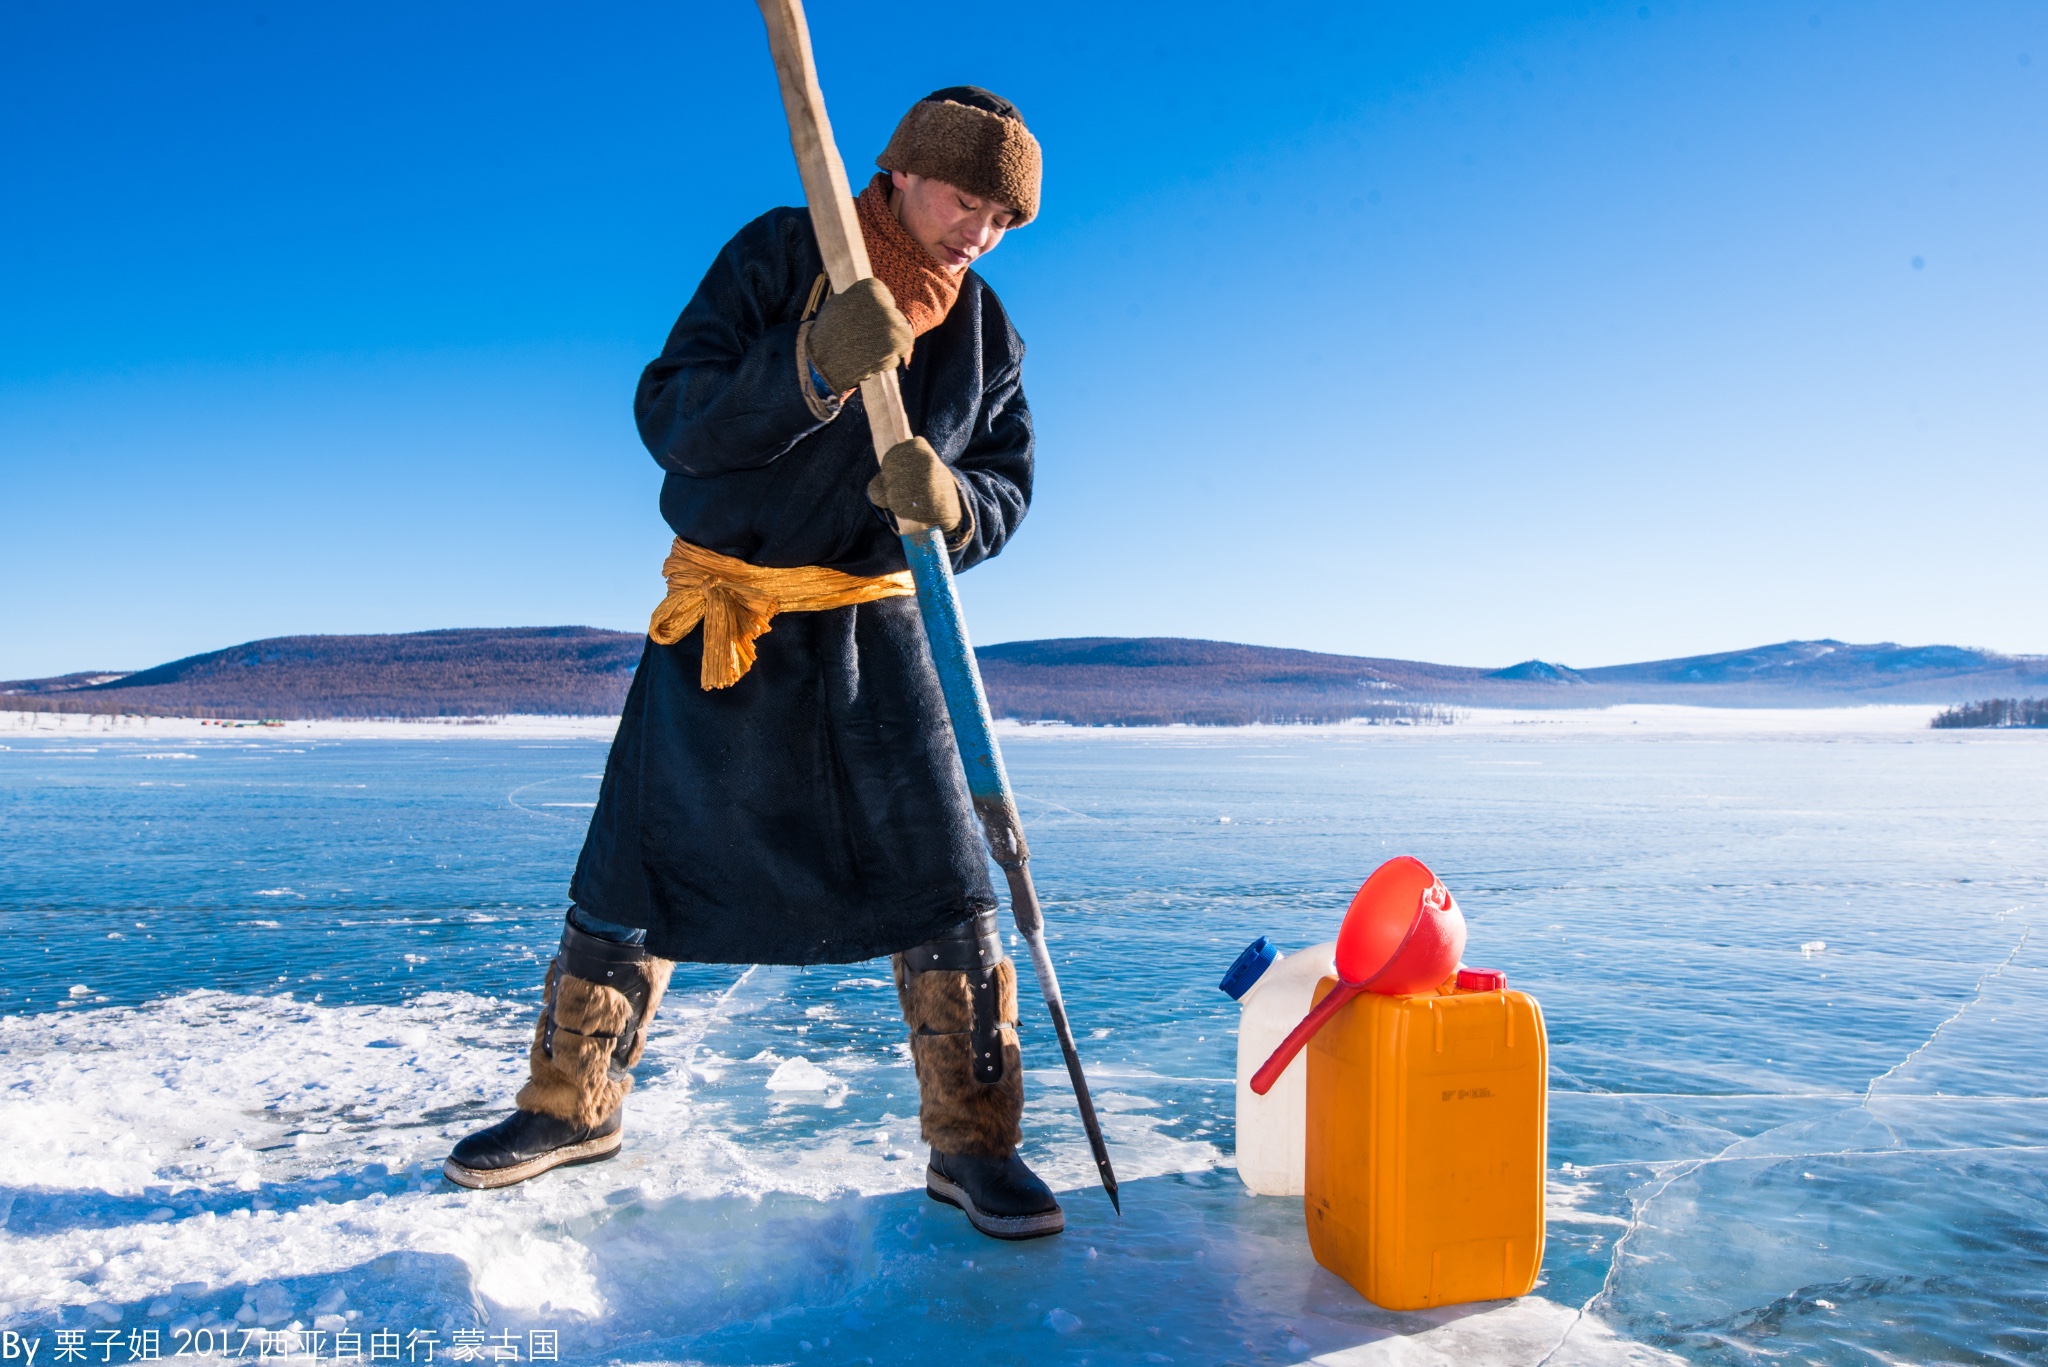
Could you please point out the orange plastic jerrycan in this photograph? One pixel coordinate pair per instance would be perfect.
(1426, 1129)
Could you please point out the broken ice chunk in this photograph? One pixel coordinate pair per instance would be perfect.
(799, 1074)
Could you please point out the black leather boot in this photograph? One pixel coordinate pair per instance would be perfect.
(1002, 1198)
(959, 996)
(600, 996)
(526, 1144)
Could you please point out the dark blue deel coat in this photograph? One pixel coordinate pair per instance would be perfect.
(814, 812)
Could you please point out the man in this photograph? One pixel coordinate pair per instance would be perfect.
(784, 787)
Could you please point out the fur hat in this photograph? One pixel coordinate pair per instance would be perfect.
(968, 137)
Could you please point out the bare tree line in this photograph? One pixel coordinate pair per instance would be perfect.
(1994, 712)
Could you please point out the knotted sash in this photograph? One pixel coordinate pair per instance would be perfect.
(736, 602)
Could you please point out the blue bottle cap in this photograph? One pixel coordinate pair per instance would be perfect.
(1251, 965)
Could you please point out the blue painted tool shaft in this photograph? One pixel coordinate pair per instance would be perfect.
(945, 629)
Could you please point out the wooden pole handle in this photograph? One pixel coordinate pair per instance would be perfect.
(831, 201)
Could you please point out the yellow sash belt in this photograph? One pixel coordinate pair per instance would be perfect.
(736, 602)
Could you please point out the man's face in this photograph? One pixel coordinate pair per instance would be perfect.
(954, 226)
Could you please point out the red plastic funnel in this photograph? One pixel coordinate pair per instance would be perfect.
(1402, 934)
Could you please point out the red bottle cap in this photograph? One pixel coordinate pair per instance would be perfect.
(1482, 980)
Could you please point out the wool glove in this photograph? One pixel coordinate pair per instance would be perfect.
(858, 333)
(916, 485)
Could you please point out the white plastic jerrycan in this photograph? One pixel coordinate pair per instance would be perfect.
(1273, 991)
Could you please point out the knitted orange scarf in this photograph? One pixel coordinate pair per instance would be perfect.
(924, 289)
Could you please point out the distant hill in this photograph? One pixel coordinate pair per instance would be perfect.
(1159, 680)
(1098, 680)
(574, 671)
(1082, 680)
(1874, 673)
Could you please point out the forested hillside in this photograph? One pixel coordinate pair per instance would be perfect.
(575, 671)
(1084, 681)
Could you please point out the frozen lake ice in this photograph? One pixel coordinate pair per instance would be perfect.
(256, 982)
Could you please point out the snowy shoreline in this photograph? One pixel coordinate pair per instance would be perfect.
(1637, 720)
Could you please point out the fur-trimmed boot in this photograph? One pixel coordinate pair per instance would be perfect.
(959, 995)
(593, 1026)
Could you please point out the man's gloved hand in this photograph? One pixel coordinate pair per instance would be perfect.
(916, 486)
(857, 334)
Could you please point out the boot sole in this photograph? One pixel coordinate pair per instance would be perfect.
(568, 1156)
(995, 1226)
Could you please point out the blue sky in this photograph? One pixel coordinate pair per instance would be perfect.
(1594, 332)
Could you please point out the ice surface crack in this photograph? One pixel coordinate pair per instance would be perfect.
(714, 1015)
(1688, 1167)
(1975, 997)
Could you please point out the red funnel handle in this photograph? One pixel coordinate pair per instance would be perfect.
(1298, 1038)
